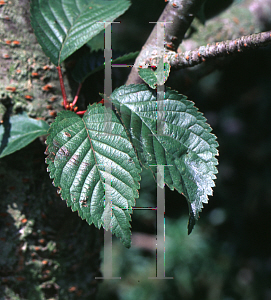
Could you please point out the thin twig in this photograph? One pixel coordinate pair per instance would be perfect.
(212, 51)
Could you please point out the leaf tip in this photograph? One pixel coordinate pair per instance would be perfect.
(191, 222)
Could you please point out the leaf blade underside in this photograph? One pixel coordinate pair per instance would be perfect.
(93, 62)
(19, 131)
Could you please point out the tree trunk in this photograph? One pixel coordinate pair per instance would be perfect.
(46, 250)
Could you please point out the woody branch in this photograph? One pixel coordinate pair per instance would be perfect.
(177, 17)
(215, 50)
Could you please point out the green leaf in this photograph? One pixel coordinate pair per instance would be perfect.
(184, 143)
(63, 26)
(18, 131)
(88, 162)
(94, 62)
(97, 42)
(201, 14)
(159, 76)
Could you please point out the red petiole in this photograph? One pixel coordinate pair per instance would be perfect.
(69, 106)
(77, 95)
(62, 86)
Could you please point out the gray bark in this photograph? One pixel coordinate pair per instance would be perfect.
(46, 250)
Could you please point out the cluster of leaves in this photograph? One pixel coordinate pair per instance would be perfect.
(96, 160)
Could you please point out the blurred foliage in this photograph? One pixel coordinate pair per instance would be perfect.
(189, 259)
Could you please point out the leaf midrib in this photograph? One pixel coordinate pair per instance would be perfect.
(67, 36)
(155, 135)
